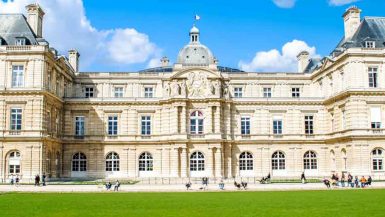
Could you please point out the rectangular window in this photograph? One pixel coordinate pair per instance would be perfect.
(373, 77)
(375, 116)
(20, 41)
(146, 125)
(370, 44)
(148, 92)
(89, 92)
(48, 120)
(16, 119)
(118, 92)
(245, 126)
(377, 164)
(266, 92)
(17, 76)
(79, 126)
(238, 92)
(277, 125)
(113, 125)
(309, 129)
(295, 92)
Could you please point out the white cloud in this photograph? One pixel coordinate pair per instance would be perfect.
(66, 26)
(285, 3)
(341, 2)
(278, 61)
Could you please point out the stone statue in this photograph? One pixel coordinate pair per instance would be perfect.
(226, 91)
(166, 89)
(209, 88)
(183, 88)
(175, 89)
(197, 84)
(217, 88)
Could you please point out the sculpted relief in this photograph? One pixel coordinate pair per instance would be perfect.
(197, 85)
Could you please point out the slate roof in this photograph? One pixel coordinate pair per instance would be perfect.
(370, 29)
(170, 69)
(16, 25)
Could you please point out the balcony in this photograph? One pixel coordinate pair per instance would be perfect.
(23, 48)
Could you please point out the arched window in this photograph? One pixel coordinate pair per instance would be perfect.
(146, 162)
(310, 160)
(246, 161)
(14, 162)
(197, 161)
(278, 161)
(79, 162)
(112, 162)
(378, 159)
(196, 122)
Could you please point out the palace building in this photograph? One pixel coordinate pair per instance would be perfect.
(194, 118)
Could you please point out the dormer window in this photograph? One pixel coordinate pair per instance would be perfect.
(20, 41)
(370, 44)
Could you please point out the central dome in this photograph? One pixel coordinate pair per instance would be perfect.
(195, 53)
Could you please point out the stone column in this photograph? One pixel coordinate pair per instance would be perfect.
(218, 162)
(183, 162)
(2, 162)
(210, 162)
(174, 164)
(132, 163)
(218, 119)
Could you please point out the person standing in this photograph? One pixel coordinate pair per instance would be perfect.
(17, 180)
(303, 178)
(117, 185)
(43, 179)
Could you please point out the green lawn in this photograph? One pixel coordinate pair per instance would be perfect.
(333, 203)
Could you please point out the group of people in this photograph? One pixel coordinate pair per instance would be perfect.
(15, 180)
(116, 186)
(205, 183)
(42, 180)
(347, 181)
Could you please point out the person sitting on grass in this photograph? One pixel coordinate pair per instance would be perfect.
(356, 182)
(327, 183)
(188, 185)
(237, 185)
(369, 182)
(363, 181)
(108, 186)
(117, 185)
(221, 185)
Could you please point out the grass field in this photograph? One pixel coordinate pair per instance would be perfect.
(349, 203)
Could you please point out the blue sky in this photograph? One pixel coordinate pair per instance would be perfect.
(235, 31)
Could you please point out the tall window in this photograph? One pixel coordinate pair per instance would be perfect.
(378, 159)
(375, 117)
(245, 125)
(278, 161)
(373, 77)
(16, 118)
(113, 125)
(197, 161)
(246, 161)
(309, 128)
(79, 126)
(89, 92)
(238, 92)
(295, 92)
(277, 125)
(112, 162)
(118, 92)
(14, 162)
(146, 125)
(196, 122)
(266, 92)
(148, 92)
(79, 162)
(17, 76)
(310, 160)
(146, 162)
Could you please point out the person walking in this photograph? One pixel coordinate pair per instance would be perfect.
(17, 180)
(303, 178)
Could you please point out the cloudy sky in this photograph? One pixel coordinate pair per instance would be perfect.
(128, 35)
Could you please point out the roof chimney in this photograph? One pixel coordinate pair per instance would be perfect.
(73, 56)
(35, 19)
(164, 62)
(303, 60)
(352, 19)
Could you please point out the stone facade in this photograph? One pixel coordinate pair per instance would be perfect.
(192, 119)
